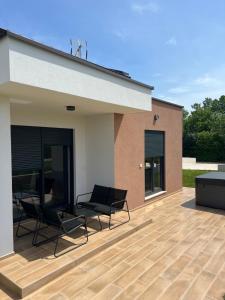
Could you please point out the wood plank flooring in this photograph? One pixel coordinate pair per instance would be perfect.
(181, 255)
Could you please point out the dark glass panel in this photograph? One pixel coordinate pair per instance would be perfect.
(54, 175)
(154, 162)
(42, 165)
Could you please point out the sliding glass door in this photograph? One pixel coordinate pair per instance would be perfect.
(154, 162)
(42, 165)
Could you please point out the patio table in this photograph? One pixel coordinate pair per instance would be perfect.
(83, 211)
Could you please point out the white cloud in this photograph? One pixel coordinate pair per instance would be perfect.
(145, 7)
(188, 99)
(207, 79)
(172, 41)
(178, 90)
(210, 84)
(121, 34)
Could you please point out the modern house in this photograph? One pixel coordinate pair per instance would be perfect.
(68, 124)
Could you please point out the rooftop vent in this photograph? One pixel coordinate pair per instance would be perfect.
(120, 72)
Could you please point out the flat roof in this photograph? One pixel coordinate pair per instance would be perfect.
(4, 32)
(167, 102)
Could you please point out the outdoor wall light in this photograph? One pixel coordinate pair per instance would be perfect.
(70, 107)
(156, 117)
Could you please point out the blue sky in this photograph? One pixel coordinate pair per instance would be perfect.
(176, 46)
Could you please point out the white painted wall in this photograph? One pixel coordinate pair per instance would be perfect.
(36, 67)
(189, 160)
(4, 61)
(6, 220)
(100, 150)
(189, 163)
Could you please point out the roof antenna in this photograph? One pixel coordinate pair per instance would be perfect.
(71, 47)
(86, 50)
(76, 48)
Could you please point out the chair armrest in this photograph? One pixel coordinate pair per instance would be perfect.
(113, 204)
(117, 202)
(80, 195)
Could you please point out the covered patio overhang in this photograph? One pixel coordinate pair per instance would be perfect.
(35, 98)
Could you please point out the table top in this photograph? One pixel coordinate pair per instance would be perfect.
(81, 211)
(24, 195)
(212, 176)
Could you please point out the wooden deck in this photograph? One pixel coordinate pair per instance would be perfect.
(181, 255)
(32, 267)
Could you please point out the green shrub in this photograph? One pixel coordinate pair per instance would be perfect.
(210, 147)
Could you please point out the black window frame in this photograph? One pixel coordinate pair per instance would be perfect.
(162, 158)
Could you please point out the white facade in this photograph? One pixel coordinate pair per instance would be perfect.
(6, 219)
(100, 150)
(35, 87)
(4, 61)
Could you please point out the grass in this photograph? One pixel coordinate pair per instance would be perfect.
(189, 177)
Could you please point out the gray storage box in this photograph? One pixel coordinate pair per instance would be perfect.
(210, 190)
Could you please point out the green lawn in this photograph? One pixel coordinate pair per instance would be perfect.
(189, 177)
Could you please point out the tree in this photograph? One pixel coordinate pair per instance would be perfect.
(204, 130)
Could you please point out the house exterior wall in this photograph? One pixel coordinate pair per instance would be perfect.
(109, 148)
(100, 150)
(129, 149)
(6, 219)
(4, 62)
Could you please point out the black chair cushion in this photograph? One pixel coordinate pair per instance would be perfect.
(105, 209)
(100, 194)
(102, 197)
(90, 205)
